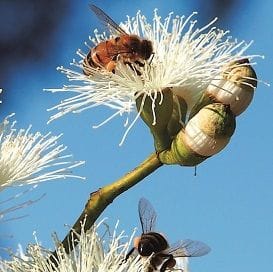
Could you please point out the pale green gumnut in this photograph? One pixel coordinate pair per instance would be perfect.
(235, 87)
(206, 134)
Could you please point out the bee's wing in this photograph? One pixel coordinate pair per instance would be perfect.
(147, 215)
(105, 19)
(188, 248)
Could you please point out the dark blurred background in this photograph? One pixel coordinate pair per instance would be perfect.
(27, 32)
(29, 28)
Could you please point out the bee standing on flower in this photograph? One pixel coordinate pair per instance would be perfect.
(155, 244)
(190, 61)
(126, 48)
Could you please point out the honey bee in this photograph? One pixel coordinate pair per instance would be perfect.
(151, 242)
(124, 47)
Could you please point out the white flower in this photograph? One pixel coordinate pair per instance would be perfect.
(92, 254)
(27, 158)
(186, 58)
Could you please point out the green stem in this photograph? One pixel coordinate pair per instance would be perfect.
(101, 198)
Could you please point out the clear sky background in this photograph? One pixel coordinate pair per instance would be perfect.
(228, 205)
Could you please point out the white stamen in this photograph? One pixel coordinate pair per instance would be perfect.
(27, 158)
(93, 253)
(186, 58)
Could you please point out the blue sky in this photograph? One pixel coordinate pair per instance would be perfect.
(228, 205)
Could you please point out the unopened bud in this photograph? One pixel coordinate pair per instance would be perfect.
(210, 130)
(235, 88)
(207, 133)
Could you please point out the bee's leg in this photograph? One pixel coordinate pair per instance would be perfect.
(140, 64)
(111, 65)
(117, 57)
(114, 60)
(169, 263)
(133, 68)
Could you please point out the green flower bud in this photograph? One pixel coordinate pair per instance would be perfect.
(204, 100)
(156, 113)
(235, 87)
(207, 133)
(177, 121)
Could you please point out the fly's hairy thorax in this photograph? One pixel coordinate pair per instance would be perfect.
(152, 242)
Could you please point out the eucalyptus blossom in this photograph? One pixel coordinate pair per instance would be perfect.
(30, 158)
(186, 59)
(94, 253)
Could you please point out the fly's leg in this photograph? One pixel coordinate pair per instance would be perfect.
(129, 254)
(169, 262)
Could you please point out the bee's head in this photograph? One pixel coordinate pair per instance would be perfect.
(134, 44)
(147, 49)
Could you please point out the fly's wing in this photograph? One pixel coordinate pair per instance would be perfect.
(147, 215)
(188, 248)
(105, 19)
